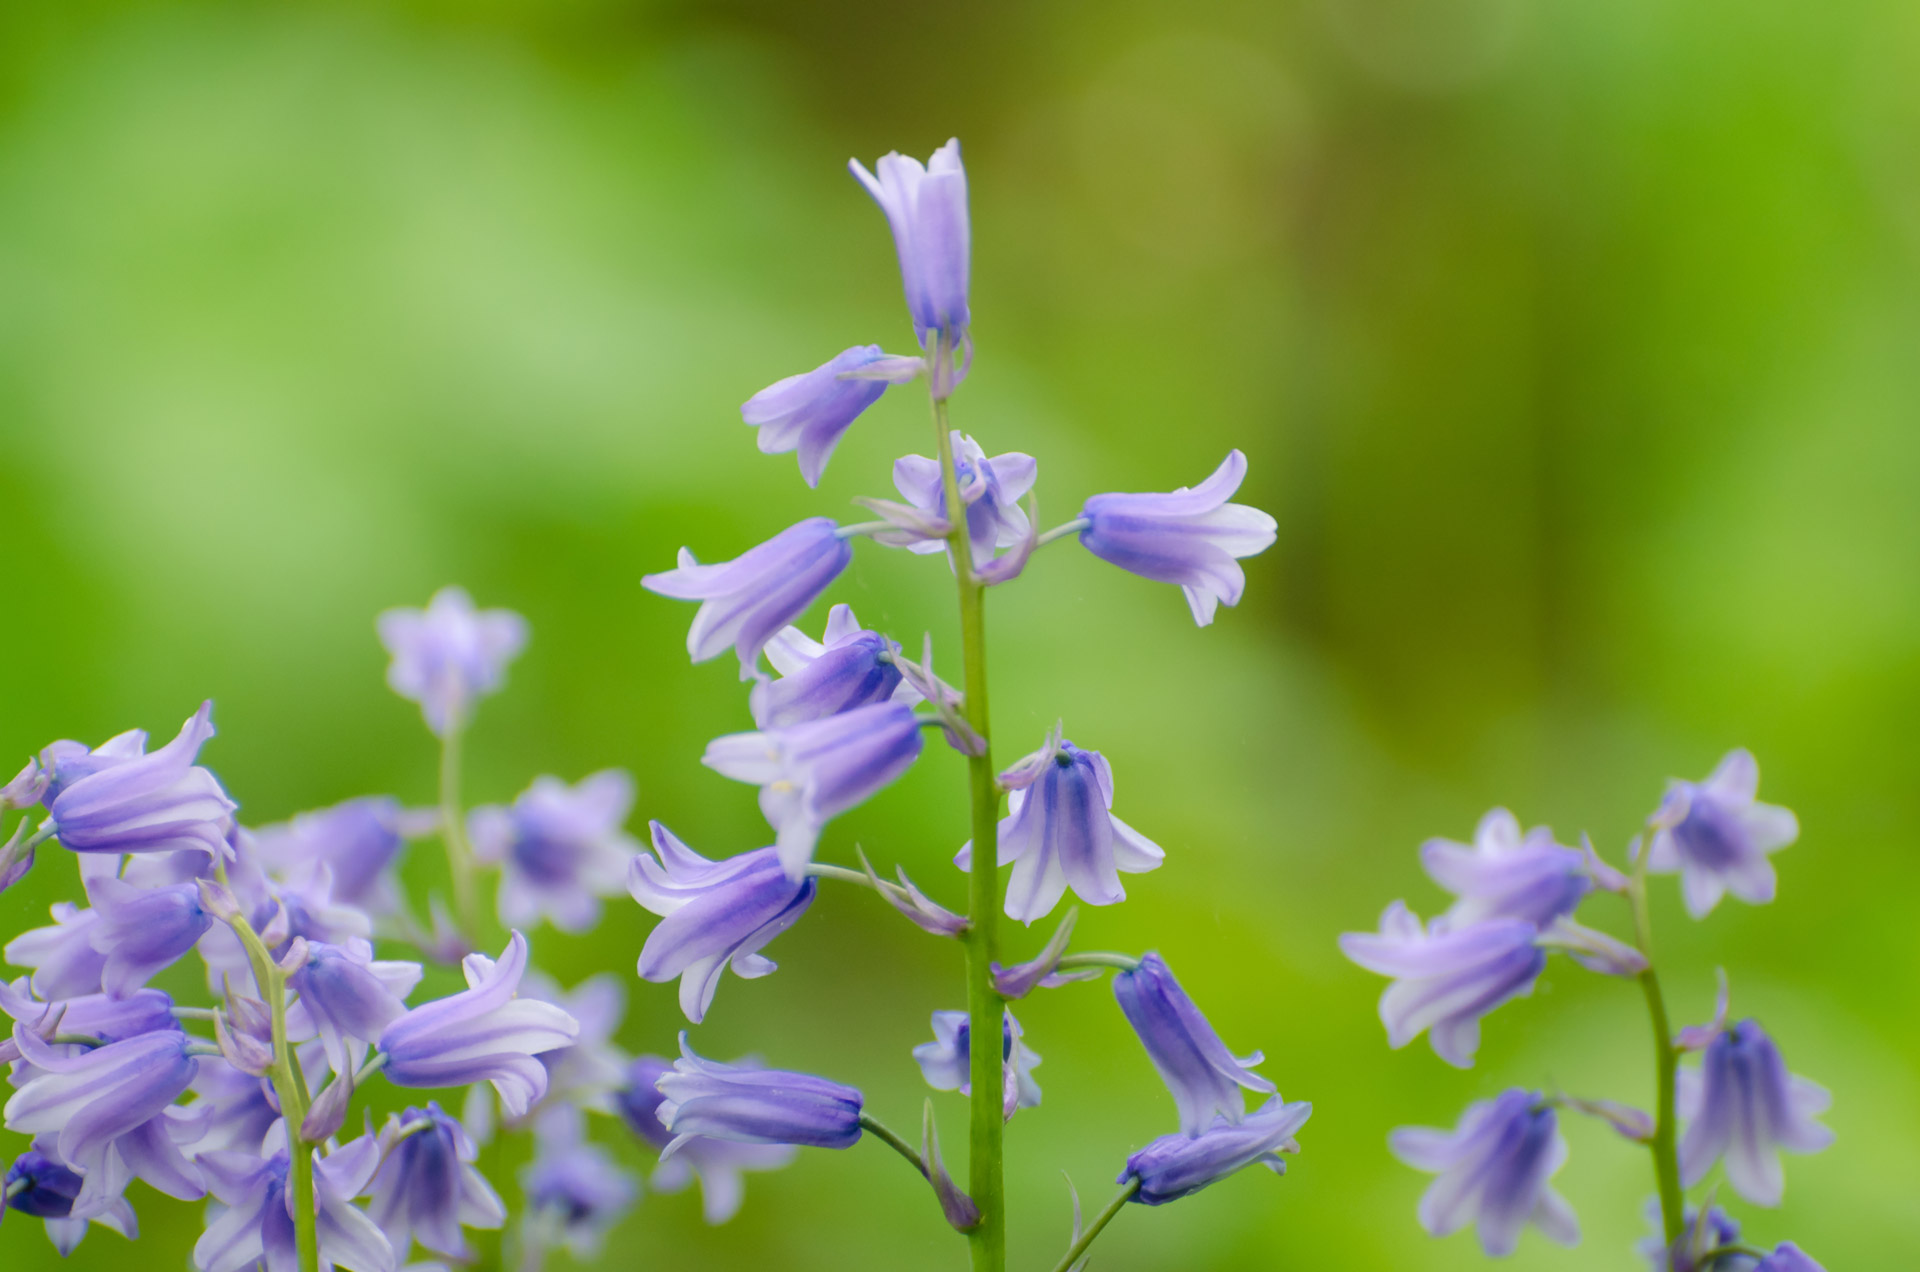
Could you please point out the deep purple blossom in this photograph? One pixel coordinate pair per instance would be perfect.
(1446, 979)
(808, 412)
(347, 998)
(560, 848)
(1718, 837)
(947, 1061)
(1179, 1165)
(990, 489)
(481, 1033)
(64, 962)
(446, 656)
(575, 1193)
(714, 914)
(427, 1189)
(1742, 1105)
(1204, 1077)
(358, 840)
(754, 1106)
(256, 1228)
(745, 601)
(1190, 537)
(143, 931)
(1493, 1169)
(848, 667)
(38, 1185)
(119, 799)
(810, 773)
(1506, 875)
(1060, 832)
(718, 1164)
(927, 210)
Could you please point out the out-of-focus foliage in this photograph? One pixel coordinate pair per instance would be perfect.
(1572, 344)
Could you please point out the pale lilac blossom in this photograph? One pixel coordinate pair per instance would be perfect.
(1179, 1165)
(118, 798)
(1494, 1170)
(1204, 1077)
(990, 489)
(427, 1189)
(143, 931)
(359, 841)
(575, 1193)
(1504, 874)
(1742, 1106)
(926, 207)
(754, 1106)
(718, 1164)
(346, 997)
(586, 1073)
(448, 655)
(1701, 1231)
(560, 849)
(847, 668)
(256, 1227)
(1718, 837)
(809, 412)
(746, 601)
(61, 956)
(946, 1062)
(97, 1016)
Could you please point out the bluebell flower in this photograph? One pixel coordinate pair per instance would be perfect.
(847, 667)
(560, 849)
(1179, 1165)
(927, 210)
(946, 1062)
(810, 773)
(483, 1033)
(754, 1106)
(62, 957)
(587, 1073)
(991, 490)
(745, 601)
(38, 1185)
(1718, 837)
(1190, 537)
(1507, 875)
(1788, 1257)
(256, 1227)
(808, 412)
(1446, 978)
(714, 914)
(1060, 832)
(143, 931)
(427, 1189)
(448, 655)
(236, 1109)
(1742, 1105)
(1205, 1078)
(109, 1112)
(97, 1016)
(359, 842)
(119, 799)
(717, 1164)
(1493, 1169)
(1701, 1231)
(346, 997)
(575, 1193)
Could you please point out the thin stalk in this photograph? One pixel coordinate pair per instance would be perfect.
(1060, 532)
(881, 1132)
(453, 833)
(984, 1173)
(1099, 958)
(1101, 1220)
(1666, 1060)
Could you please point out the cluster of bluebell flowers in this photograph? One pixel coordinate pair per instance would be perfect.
(1515, 897)
(838, 719)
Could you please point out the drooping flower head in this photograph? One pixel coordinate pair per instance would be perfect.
(1507, 875)
(991, 489)
(745, 601)
(1493, 1169)
(38, 1185)
(98, 1016)
(1179, 1165)
(346, 997)
(256, 1228)
(927, 209)
(1190, 537)
(358, 841)
(143, 931)
(754, 1106)
(810, 773)
(1741, 1105)
(1718, 837)
(104, 1109)
(1060, 832)
(717, 1164)
(848, 667)
(61, 955)
(427, 1189)
(560, 848)
(119, 799)
(947, 1061)
(1446, 978)
(483, 1033)
(808, 412)
(714, 914)
(448, 655)
(1205, 1078)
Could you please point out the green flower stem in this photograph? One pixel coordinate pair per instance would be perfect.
(881, 1132)
(1666, 1058)
(453, 833)
(289, 1085)
(1060, 532)
(1101, 1220)
(1098, 958)
(985, 1182)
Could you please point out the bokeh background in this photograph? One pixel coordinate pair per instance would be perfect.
(1573, 345)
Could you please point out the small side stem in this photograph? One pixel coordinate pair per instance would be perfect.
(879, 1130)
(1060, 532)
(1098, 958)
(453, 833)
(1100, 1221)
(1666, 1060)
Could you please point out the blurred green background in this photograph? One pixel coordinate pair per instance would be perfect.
(1573, 345)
